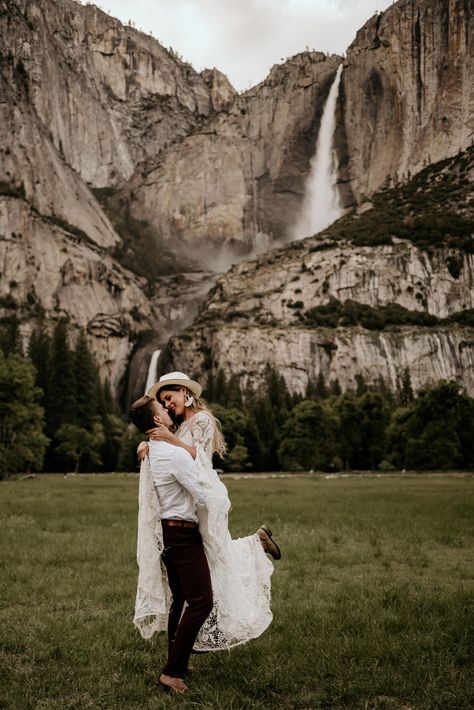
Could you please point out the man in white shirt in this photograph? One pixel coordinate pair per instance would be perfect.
(179, 491)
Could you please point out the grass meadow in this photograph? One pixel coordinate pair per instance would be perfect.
(372, 600)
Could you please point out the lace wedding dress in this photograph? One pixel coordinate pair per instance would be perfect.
(240, 570)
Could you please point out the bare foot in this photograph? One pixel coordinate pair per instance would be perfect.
(173, 685)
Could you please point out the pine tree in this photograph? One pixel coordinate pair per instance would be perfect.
(220, 388)
(277, 393)
(405, 389)
(22, 441)
(114, 428)
(87, 381)
(349, 435)
(10, 336)
(208, 393)
(361, 385)
(234, 395)
(310, 392)
(266, 410)
(39, 352)
(385, 390)
(321, 389)
(61, 402)
(107, 404)
(261, 416)
(374, 410)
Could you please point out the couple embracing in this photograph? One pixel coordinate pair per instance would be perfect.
(208, 591)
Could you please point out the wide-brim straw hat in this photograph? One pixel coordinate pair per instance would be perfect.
(176, 378)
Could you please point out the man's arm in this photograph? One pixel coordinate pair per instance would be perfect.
(187, 474)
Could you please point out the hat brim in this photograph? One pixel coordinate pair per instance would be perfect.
(191, 385)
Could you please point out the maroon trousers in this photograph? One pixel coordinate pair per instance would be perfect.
(190, 581)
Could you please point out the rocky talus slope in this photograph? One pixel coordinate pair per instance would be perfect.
(382, 290)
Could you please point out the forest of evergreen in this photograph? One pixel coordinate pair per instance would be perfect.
(57, 415)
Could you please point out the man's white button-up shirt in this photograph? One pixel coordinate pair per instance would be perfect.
(176, 479)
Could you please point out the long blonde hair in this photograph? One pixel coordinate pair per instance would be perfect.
(219, 446)
(218, 441)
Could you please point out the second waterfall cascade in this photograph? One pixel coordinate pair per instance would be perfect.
(321, 204)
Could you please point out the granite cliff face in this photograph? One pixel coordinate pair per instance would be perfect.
(407, 94)
(109, 95)
(236, 184)
(274, 288)
(406, 100)
(256, 316)
(301, 355)
(54, 237)
(83, 101)
(47, 270)
(353, 301)
(91, 107)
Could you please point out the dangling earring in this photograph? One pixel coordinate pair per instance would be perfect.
(188, 400)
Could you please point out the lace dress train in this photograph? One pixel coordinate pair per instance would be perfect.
(240, 569)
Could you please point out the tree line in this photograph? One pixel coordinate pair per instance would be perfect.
(57, 415)
(368, 428)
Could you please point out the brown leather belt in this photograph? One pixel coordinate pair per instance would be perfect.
(179, 523)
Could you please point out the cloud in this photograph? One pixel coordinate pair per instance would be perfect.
(244, 38)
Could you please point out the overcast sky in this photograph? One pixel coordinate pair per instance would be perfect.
(244, 38)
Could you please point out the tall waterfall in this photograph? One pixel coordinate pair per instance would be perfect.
(151, 376)
(321, 205)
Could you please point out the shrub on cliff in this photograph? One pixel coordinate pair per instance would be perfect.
(434, 208)
(350, 313)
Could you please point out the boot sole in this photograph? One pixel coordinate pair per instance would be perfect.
(276, 555)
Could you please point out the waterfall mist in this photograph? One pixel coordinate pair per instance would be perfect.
(321, 204)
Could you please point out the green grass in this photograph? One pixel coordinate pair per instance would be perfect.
(372, 600)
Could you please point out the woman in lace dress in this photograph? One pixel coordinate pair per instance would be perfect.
(240, 569)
